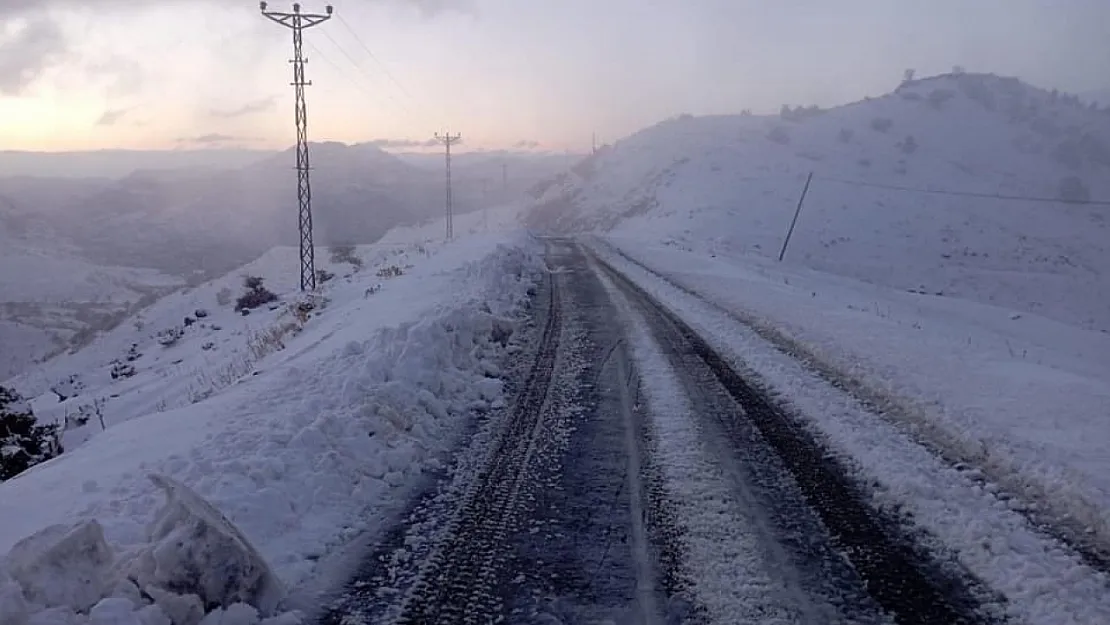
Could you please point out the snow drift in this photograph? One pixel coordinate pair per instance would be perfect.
(313, 444)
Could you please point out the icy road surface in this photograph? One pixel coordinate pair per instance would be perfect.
(652, 470)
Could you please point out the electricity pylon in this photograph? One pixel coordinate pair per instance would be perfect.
(297, 22)
(447, 139)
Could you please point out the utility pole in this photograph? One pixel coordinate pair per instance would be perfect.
(485, 204)
(297, 22)
(447, 139)
(794, 221)
(504, 177)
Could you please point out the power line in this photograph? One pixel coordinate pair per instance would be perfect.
(339, 70)
(297, 22)
(358, 67)
(374, 57)
(447, 139)
(992, 196)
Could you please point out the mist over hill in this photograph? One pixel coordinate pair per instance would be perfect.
(79, 253)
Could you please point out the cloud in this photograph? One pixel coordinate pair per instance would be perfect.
(119, 75)
(403, 143)
(112, 116)
(212, 139)
(33, 47)
(527, 144)
(250, 108)
(426, 8)
(431, 8)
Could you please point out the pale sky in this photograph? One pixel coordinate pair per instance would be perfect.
(81, 74)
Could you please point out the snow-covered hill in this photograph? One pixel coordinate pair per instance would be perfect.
(730, 184)
(62, 241)
(304, 422)
(52, 299)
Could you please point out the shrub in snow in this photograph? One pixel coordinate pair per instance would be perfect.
(779, 135)
(881, 124)
(195, 550)
(302, 310)
(200, 313)
(69, 387)
(800, 113)
(74, 421)
(95, 409)
(256, 295)
(23, 442)
(188, 321)
(122, 369)
(323, 275)
(270, 340)
(908, 145)
(1072, 189)
(390, 271)
(133, 353)
(346, 254)
(170, 336)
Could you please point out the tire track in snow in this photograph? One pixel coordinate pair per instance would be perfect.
(899, 575)
(1073, 521)
(459, 582)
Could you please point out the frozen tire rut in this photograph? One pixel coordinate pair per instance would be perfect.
(635, 479)
(543, 520)
(461, 582)
(769, 513)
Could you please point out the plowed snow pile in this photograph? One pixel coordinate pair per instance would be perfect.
(241, 450)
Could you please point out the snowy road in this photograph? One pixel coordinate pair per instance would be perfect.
(638, 478)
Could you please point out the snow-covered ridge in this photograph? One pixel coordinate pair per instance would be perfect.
(312, 425)
(729, 185)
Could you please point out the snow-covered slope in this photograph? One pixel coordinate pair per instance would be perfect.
(730, 184)
(51, 299)
(304, 422)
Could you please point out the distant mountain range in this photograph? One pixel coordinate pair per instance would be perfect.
(119, 163)
(187, 217)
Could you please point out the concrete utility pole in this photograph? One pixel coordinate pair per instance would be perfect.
(447, 139)
(297, 22)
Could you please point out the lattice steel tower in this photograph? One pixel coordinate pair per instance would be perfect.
(448, 139)
(297, 22)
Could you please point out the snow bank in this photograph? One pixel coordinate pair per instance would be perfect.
(964, 508)
(311, 447)
(1019, 396)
